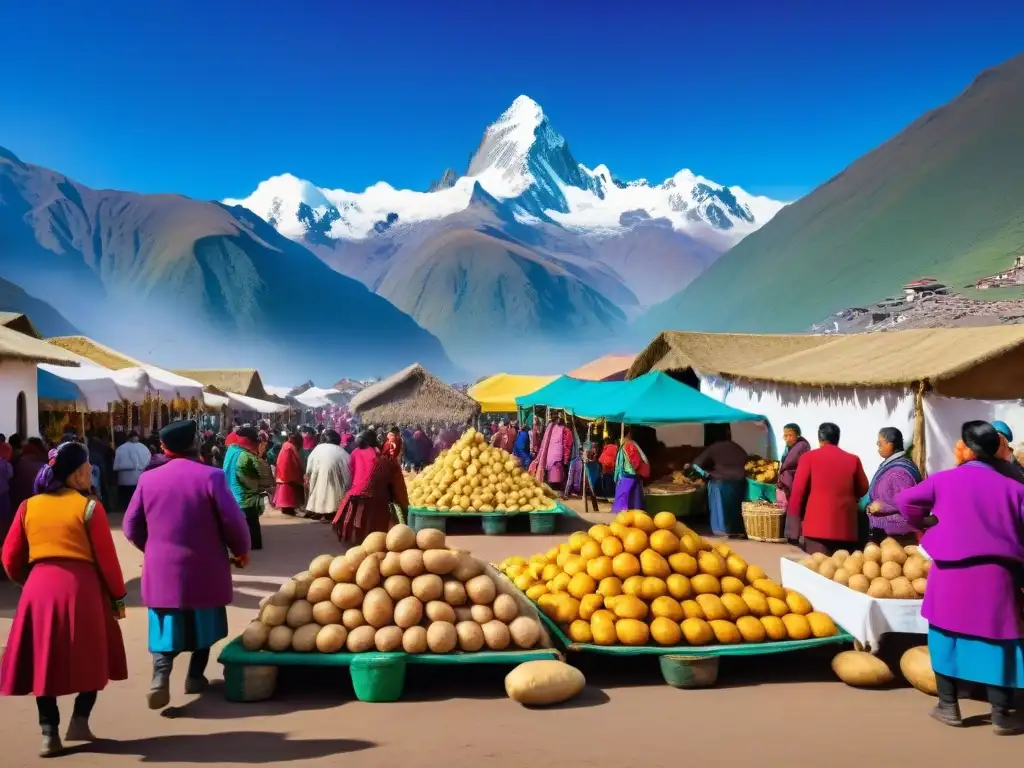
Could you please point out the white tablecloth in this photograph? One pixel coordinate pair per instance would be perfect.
(865, 617)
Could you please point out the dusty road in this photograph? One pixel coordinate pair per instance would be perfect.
(782, 711)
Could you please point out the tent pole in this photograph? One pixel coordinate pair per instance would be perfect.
(920, 453)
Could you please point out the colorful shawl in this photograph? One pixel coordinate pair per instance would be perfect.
(627, 464)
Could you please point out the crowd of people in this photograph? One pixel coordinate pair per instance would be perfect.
(193, 504)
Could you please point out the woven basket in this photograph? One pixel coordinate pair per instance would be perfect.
(764, 522)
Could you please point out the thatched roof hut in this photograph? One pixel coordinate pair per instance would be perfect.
(18, 346)
(413, 396)
(19, 322)
(100, 354)
(981, 363)
(244, 381)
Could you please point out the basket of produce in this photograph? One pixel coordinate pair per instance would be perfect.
(399, 598)
(651, 586)
(762, 474)
(764, 521)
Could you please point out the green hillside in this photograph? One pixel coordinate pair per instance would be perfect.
(944, 199)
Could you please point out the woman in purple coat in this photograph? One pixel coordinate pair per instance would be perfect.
(896, 473)
(974, 604)
(186, 521)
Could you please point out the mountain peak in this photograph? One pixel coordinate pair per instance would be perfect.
(523, 111)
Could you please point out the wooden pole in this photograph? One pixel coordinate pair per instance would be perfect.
(920, 452)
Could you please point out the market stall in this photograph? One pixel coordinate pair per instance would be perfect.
(397, 599)
(654, 399)
(498, 393)
(871, 592)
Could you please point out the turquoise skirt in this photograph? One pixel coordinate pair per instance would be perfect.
(173, 630)
(977, 660)
(725, 503)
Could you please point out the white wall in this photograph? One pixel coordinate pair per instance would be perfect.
(944, 416)
(18, 376)
(859, 413)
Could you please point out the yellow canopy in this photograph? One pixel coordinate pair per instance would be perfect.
(498, 393)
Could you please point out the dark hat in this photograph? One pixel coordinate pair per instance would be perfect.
(179, 436)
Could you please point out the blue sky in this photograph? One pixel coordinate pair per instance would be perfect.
(209, 98)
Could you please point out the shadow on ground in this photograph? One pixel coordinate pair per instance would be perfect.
(252, 747)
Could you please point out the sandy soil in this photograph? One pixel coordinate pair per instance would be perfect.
(787, 710)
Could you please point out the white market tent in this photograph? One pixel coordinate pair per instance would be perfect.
(237, 402)
(100, 388)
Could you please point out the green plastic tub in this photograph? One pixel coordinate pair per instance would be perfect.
(378, 677)
(495, 525)
(543, 522)
(688, 504)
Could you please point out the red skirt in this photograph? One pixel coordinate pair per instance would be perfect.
(64, 638)
(288, 496)
(361, 515)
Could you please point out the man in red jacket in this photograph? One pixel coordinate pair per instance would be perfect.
(827, 489)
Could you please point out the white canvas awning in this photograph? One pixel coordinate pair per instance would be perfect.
(239, 402)
(314, 397)
(171, 386)
(101, 388)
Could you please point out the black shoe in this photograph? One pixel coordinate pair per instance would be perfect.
(196, 684)
(1008, 723)
(948, 714)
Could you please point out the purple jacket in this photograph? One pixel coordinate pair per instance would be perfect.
(184, 518)
(978, 548)
(787, 468)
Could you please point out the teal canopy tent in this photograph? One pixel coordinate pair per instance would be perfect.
(54, 388)
(552, 394)
(654, 398)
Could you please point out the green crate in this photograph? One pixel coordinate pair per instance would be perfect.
(760, 491)
(375, 676)
(421, 520)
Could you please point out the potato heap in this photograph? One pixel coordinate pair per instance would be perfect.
(471, 476)
(642, 580)
(886, 570)
(400, 591)
(762, 470)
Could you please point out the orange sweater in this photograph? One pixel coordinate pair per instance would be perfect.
(52, 526)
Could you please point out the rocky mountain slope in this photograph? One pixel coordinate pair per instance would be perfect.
(192, 284)
(528, 247)
(944, 199)
(47, 320)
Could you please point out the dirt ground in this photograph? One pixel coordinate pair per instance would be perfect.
(783, 710)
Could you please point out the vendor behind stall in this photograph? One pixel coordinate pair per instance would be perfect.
(631, 469)
(896, 473)
(722, 461)
(796, 446)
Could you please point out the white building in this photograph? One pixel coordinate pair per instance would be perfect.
(19, 398)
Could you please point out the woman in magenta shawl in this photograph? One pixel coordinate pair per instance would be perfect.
(974, 604)
(289, 476)
(377, 484)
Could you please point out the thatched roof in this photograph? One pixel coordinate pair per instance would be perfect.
(244, 381)
(19, 322)
(101, 355)
(984, 363)
(18, 346)
(607, 368)
(413, 396)
(717, 353)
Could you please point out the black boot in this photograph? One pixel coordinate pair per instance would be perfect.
(1006, 722)
(159, 695)
(51, 745)
(948, 713)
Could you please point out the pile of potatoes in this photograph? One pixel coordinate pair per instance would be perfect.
(653, 581)
(472, 476)
(400, 591)
(887, 570)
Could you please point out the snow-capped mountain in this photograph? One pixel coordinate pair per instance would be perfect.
(523, 162)
(527, 246)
